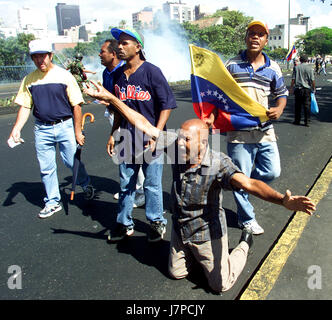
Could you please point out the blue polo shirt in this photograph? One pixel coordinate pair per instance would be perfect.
(108, 76)
(145, 91)
(266, 80)
(259, 84)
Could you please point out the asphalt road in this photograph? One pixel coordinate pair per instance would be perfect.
(7, 90)
(67, 256)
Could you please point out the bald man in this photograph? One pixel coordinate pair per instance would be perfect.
(199, 232)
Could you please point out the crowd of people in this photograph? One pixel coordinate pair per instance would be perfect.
(138, 103)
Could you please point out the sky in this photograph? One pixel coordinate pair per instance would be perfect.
(110, 12)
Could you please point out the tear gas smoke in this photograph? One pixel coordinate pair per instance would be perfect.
(168, 48)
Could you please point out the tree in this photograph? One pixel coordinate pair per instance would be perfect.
(277, 54)
(14, 51)
(122, 24)
(316, 41)
(226, 39)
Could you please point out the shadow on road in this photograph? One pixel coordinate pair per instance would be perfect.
(30, 190)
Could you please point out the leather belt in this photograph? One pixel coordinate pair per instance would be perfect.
(52, 123)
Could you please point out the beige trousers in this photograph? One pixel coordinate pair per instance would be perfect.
(221, 268)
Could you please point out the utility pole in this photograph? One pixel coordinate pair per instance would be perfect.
(288, 31)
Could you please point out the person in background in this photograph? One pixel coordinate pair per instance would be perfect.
(56, 99)
(317, 64)
(77, 69)
(303, 80)
(109, 58)
(323, 67)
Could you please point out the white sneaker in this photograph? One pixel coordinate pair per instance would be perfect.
(253, 226)
(49, 211)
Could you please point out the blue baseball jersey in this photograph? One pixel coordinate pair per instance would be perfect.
(145, 91)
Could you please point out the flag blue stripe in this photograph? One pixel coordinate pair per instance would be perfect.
(205, 91)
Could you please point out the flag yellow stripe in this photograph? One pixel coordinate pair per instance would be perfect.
(207, 65)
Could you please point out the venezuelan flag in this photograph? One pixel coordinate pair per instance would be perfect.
(212, 86)
(291, 53)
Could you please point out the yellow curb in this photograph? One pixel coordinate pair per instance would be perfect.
(267, 275)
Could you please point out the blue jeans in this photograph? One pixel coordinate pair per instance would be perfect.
(264, 157)
(46, 139)
(152, 189)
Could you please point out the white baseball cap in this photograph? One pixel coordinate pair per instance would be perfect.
(40, 46)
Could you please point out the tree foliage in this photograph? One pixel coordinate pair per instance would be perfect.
(226, 39)
(316, 41)
(14, 51)
(277, 54)
(88, 49)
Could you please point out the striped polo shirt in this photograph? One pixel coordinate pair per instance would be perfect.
(260, 84)
(51, 94)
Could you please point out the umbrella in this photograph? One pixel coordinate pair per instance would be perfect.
(77, 157)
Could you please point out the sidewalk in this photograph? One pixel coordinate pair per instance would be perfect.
(299, 265)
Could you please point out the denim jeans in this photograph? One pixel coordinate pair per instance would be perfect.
(152, 188)
(46, 139)
(258, 161)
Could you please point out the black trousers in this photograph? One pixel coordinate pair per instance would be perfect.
(302, 101)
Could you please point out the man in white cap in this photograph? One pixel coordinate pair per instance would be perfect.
(55, 98)
(255, 150)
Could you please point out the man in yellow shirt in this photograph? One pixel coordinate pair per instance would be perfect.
(55, 98)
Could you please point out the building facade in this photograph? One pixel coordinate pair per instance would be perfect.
(32, 21)
(179, 11)
(278, 37)
(67, 16)
(143, 19)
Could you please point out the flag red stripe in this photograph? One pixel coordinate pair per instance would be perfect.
(223, 121)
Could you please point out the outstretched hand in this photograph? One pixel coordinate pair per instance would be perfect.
(96, 91)
(298, 203)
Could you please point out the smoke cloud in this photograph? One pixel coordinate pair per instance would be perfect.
(168, 48)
